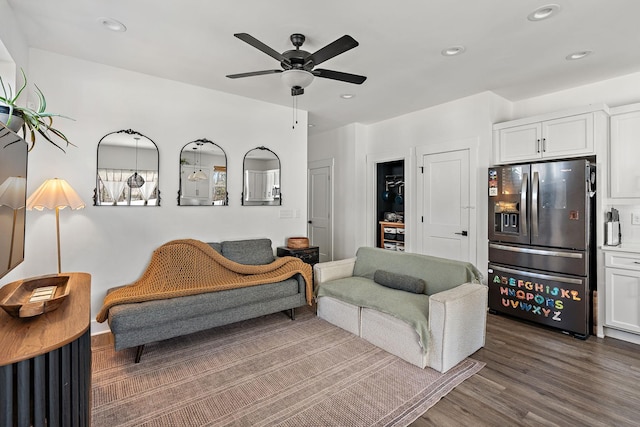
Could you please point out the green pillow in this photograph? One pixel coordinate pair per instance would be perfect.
(399, 281)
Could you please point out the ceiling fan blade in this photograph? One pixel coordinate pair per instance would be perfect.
(337, 75)
(253, 73)
(262, 47)
(339, 46)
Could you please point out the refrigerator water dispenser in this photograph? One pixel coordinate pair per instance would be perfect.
(507, 217)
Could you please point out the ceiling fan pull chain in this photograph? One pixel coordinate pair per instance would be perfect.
(294, 106)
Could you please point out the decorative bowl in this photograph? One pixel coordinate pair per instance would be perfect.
(17, 304)
(298, 242)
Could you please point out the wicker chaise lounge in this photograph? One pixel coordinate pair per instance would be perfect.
(191, 286)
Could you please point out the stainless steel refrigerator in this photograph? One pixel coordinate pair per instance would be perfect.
(541, 243)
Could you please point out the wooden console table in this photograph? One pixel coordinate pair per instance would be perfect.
(45, 361)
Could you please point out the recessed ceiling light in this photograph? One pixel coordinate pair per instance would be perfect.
(347, 96)
(578, 55)
(544, 12)
(112, 25)
(453, 50)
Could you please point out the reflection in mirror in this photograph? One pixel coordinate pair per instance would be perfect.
(261, 177)
(203, 175)
(127, 170)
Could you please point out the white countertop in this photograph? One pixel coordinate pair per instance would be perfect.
(623, 247)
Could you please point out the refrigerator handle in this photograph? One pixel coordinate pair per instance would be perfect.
(561, 279)
(524, 190)
(535, 190)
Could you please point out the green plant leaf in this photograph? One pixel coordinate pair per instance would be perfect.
(42, 103)
(44, 134)
(24, 85)
(35, 120)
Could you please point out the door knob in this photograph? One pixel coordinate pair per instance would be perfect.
(463, 233)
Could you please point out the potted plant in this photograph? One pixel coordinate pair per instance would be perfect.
(30, 120)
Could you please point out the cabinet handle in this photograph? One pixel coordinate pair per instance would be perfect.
(537, 145)
(544, 145)
(636, 262)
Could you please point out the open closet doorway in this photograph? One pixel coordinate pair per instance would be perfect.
(390, 205)
(320, 207)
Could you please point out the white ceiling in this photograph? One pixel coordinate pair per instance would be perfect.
(400, 43)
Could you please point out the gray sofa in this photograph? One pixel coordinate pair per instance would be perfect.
(426, 310)
(136, 324)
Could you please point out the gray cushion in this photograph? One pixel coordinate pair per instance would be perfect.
(250, 252)
(217, 246)
(399, 281)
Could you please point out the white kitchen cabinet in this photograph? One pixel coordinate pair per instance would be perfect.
(262, 186)
(563, 137)
(195, 190)
(625, 152)
(519, 143)
(622, 291)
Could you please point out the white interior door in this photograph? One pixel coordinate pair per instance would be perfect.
(445, 205)
(320, 208)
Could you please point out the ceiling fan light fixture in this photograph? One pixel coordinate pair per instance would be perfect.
(297, 78)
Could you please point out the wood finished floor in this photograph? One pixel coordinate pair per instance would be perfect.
(538, 377)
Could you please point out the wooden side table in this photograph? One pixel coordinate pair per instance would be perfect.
(310, 255)
(45, 361)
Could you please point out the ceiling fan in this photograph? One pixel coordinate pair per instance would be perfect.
(298, 65)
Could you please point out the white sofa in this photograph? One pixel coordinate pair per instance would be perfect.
(437, 328)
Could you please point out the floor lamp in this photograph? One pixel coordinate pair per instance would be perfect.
(12, 194)
(55, 194)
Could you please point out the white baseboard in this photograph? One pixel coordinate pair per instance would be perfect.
(622, 335)
(99, 328)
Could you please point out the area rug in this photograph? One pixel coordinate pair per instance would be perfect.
(268, 371)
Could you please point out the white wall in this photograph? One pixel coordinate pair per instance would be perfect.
(463, 119)
(612, 92)
(448, 124)
(344, 146)
(466, 118)
(114, 244)
(14, 45)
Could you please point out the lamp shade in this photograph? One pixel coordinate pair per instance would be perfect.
(296, 78)
(13, 192)
(135, 181)
(201, 176)
(54, 193)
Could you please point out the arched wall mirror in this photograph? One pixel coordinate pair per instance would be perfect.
(261, 177)
(203, 174)
(128, 164)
